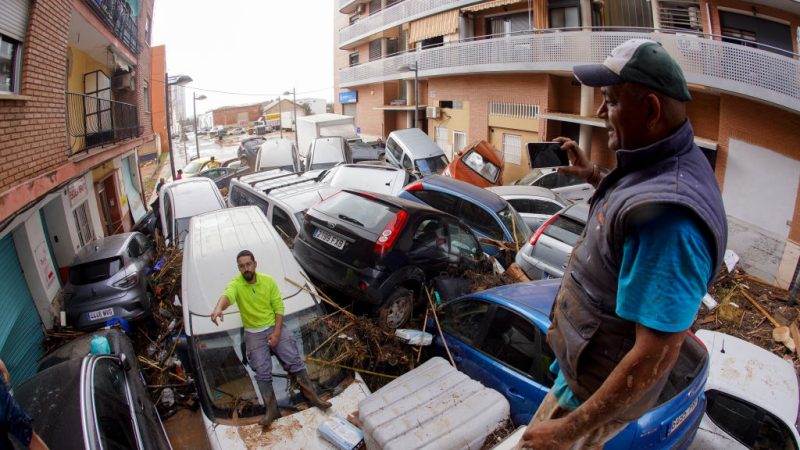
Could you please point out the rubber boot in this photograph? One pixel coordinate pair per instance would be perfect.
(270, 403)
(301, 378)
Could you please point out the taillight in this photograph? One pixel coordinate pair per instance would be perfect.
(414, 187)
(540, 230)
(129, 281)
(390, 233)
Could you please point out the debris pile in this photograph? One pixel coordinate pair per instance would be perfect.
(754, 311)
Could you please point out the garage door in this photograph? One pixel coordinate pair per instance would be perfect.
(20, 330)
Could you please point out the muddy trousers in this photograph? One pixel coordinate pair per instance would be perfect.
(259, 353)
(595, 439)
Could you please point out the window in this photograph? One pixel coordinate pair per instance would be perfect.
(430, 241)
(478, 219)
(565, 16)
(10, 64)
(85, 233)
(283, 223)
(534, 206)
(391, 46)
(354, 18)
(463, 243)
(146, 96)
(565, 230)
(452, 104)
(752, 426)
(407, 163)
(512, 148)
(94, 271)
(134, 249)
(114, 420)
(436, 41)
(442, 141)
(464, 320)
(516, 342)
(394, 150)
(374, 6)
(442, 202)
(147, 30)
(509, 24)
(353, 59)
(375, 49)
(459, 141)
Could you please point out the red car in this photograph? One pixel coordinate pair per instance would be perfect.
(478, 165)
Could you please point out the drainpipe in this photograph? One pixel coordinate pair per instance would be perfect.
(656, 9)
(586, 15)
(587, 106)
(794, 286)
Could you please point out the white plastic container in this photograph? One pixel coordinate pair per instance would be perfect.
(413, 337)
(431, 407)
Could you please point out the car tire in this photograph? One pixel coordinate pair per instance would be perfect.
(396, 310)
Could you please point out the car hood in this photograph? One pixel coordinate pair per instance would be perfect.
(298, 430)
(752, 374)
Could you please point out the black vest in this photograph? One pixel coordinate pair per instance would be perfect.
(587, 336)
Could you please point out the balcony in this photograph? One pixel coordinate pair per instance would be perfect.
(117, 16)
(94, 122)
(732, 68)
(349, 6)
(403, 12)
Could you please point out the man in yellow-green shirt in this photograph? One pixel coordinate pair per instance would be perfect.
(261, 308)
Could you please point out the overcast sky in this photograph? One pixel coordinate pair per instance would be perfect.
(262, 47)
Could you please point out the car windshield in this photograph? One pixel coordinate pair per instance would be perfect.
(434, 164)
(327, 154)
(514, 223)
(193, 167)
(253, 144)
(481, 166)
(565, 230)
(357, 210)
(94, 271)
(229, 384)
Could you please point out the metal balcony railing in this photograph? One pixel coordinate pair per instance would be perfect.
(117, 16)
(395, 15)
(738, 69)
(94, 122)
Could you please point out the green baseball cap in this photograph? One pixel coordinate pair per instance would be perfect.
(639, 61)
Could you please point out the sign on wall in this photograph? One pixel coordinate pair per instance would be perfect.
(76, 191)
(348, 97)
(45, 264)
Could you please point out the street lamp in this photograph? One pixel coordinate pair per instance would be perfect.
(195, 98)
(294, 117)
(415, 68)
(178, 80)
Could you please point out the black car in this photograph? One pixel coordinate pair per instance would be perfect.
(79, 400)
(248, 149)
(383, 250)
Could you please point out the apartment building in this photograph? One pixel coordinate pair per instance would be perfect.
(74, 111)
(501, 70)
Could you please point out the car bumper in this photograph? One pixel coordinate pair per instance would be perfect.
(130, 305)
(340, 276)
(536, 269)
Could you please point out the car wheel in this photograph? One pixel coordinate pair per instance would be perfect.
(396, 311)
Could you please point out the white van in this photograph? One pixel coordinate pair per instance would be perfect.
(412, 150)
(229, 397)
(180, 200)
(278, 153)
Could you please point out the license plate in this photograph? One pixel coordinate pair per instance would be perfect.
(328, 238)
(678, 421)
(101, 314)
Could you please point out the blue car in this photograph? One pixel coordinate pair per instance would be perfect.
(498, 338)
(483, 211)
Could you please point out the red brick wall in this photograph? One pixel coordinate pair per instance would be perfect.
(370, 120)
(230, 116)
(33, 131)
(143, 69)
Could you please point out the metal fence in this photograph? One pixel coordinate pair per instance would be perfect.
(405, 11)
(514, 110)
(94, 121)
(725, 66)
(119, 18)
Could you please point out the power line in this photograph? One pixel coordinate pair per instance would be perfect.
(251, 94)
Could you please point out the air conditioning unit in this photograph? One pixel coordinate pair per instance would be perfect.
(433, 112)
(125, 82)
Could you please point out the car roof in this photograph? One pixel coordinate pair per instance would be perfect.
(209, 264)
(103, 248)
(52, 398)
(523, 190)
(382, 179)
(749, 372)
(531, 295)
(397, 202)
(191, 196)
(485, 198)
(416, 142)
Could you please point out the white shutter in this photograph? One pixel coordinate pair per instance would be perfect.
(14, 18)
(512, 148)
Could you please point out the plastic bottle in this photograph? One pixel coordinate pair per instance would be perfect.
(99, 345)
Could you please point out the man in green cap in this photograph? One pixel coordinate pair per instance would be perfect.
(654, 239)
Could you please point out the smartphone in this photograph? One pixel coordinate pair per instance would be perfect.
(546, 154)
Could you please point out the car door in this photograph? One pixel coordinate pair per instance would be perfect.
(430, 247)
(393, 152)
(112, 414)
(464, 250)
(482, 223)
(463, 325)
(520, 362)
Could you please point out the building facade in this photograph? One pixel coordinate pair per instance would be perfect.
(501, 71)
(74, 112)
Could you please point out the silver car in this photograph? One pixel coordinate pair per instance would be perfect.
(108, 279)
(570, 187)
(534, 204)
(547, 252)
